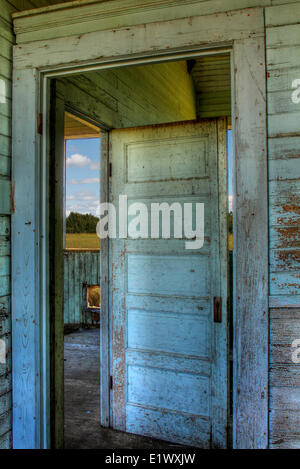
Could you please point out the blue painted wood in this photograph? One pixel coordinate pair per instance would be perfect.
(5, 199)
(4, 226)
(77, 290)
(282, 39)
(164, 361)
(25, 262)
(169, 333)
(81, 268)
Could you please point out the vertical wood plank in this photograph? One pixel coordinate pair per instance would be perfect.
(25, 264)
(82, 266)
(56, 209)
(77, 289)
(83, 292)
(103, 281)
(220, 378)
(71, 290)
(250, 354)
(66, 287)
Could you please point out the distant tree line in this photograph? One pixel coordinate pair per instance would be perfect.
(86, 223)
(81, 223)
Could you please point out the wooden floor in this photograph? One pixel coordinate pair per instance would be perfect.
(82, 410)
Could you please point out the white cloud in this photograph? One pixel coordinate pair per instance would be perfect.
(82, 208)
(83, 202)
(86, 195)
(95, 166)
(78, 160)
(84, 181)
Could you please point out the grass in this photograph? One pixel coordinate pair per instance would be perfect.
(82, 241)
(91, 241)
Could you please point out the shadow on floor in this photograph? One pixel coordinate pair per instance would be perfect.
(82, 389)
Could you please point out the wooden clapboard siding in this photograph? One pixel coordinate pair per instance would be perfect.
(94, 16)
(284, 379)
(81, 268)
(283, 66)
(7, 40)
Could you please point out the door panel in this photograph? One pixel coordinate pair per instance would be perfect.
(169, 359)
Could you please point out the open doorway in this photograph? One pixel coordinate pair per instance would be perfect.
(163, 375)
(105, 49)
(82, 298)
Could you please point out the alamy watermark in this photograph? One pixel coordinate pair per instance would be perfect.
(162, 220)
(2, 352)
(296, 93)
(296, 351)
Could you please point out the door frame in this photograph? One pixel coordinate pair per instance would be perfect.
(57, 170)
(35, 63)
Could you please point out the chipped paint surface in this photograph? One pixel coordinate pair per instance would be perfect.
(283, 68)
(163, 364)
(284, 197)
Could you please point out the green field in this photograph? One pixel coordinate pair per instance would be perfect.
(91, 241)
(82, 241)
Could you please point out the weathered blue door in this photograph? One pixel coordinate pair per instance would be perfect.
(168, 355)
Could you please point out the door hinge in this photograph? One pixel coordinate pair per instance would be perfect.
(110, 170)
(111, 382)
(39, 124)
(217, 309)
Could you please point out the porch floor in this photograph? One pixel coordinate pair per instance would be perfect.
(82, 390)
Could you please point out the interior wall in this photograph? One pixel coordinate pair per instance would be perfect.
(212, 80)
(133, 96)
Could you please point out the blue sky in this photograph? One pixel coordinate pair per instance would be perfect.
(82, 175)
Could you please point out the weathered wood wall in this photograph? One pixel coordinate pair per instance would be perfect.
(283, 66)
(6, 44)
(81, 268)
